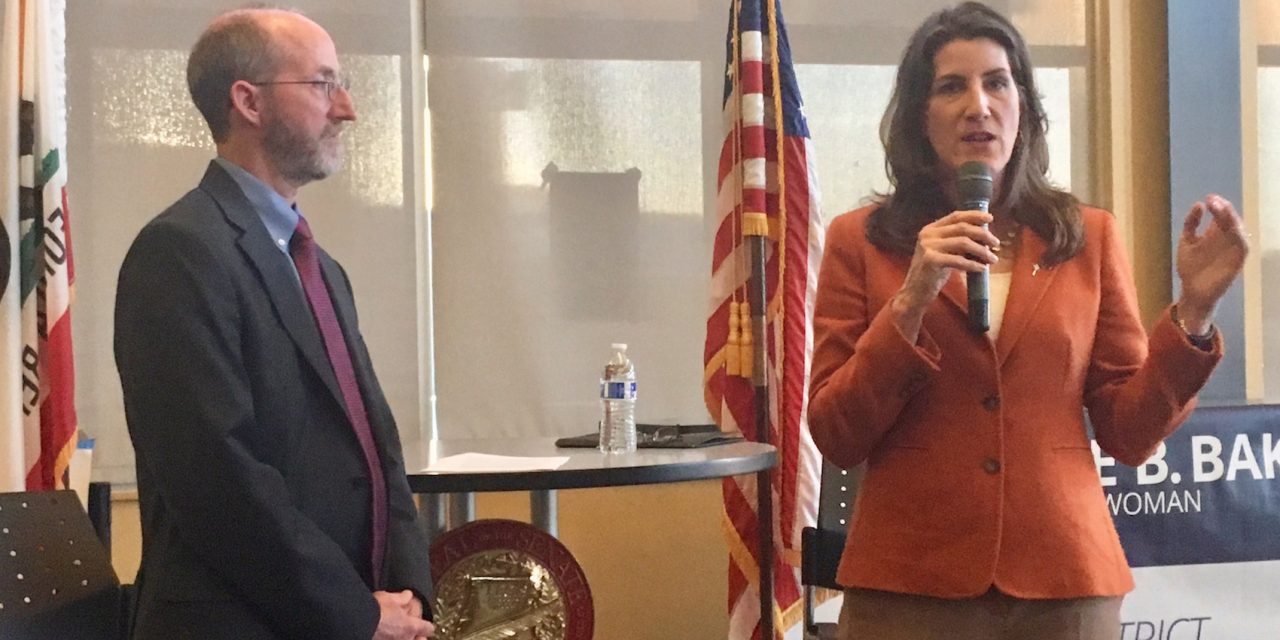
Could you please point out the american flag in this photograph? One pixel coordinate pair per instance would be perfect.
(767, 185)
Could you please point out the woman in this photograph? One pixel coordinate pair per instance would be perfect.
(981, 514)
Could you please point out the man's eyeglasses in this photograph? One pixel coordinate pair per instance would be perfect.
(330, 86)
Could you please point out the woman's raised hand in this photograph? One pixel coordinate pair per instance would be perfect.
(1209, 262)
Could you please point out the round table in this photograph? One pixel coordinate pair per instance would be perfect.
(584, 468)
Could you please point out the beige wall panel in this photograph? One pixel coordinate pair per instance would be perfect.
(1266, 17)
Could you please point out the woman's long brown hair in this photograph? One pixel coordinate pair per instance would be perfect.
(917, 195)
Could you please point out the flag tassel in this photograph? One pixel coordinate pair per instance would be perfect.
(733, 350)
(747, 354)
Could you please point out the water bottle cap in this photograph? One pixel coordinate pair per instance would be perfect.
(619, 346)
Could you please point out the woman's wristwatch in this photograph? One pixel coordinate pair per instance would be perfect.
(1203, 341)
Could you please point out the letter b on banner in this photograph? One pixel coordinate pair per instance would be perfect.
(1155, 470)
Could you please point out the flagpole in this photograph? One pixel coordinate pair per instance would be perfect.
(756, 293)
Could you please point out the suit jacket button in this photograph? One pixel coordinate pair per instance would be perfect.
(991, 402)
(991, 466)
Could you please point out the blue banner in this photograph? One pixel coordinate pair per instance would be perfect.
(1209, 495)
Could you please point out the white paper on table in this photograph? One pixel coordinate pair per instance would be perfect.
(471, 462)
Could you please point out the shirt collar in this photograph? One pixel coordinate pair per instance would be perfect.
(278, 216)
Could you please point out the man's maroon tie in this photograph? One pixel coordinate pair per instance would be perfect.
(303, 249)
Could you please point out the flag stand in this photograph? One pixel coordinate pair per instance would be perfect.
(756, 293)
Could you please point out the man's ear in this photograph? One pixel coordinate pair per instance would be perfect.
(246, 102)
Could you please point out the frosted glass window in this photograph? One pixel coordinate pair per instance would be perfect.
(142, 99)
(1054, 85)
(374, 170)
(602, 116)
(844, 104)
(594, 9)
(568, 215)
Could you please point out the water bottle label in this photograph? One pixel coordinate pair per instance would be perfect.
(618, 390)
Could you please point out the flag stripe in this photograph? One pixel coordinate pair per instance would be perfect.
(794, 326)
(752, 76)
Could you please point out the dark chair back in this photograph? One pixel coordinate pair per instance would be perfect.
(56, 580)
(821, 546)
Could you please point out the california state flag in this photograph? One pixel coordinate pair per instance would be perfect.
(37, 379)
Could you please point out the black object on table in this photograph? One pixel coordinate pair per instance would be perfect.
(663, 436)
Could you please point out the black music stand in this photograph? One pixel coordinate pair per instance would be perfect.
(55, 577)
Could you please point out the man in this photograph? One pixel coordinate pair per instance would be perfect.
(271, 480)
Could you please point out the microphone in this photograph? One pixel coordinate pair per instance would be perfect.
(974, 186)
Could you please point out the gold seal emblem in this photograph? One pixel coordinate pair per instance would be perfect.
(502, 579)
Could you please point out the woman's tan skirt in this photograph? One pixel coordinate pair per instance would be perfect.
(868, 614)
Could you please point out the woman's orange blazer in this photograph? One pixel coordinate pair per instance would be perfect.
(979, 470)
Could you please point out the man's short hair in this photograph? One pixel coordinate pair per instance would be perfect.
(235, 47)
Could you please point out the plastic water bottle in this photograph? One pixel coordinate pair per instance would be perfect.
(618, 403)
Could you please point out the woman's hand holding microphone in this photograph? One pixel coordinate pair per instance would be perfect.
(957, 240)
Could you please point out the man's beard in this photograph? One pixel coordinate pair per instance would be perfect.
(300, 158)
